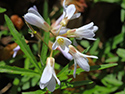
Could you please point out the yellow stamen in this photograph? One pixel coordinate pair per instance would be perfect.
(60, 40)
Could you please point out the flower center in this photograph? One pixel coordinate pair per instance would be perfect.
(60, 40)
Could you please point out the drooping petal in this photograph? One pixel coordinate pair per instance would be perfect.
(47, 75)
(58, 81)
(51, 85)
(75, 66)
(82, 62)
(70, 10)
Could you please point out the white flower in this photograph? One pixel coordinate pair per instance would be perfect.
(34, 18)
(80, 59)
(69, 13)
(87, 32)
(62, 42)
(16, 49)
(49, 76)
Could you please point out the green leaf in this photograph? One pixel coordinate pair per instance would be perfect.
(117, 40)
(17, 70)
(94, 46)
(121, 92)
(84, 43)
(122, 15)
(96, 67)
(21, 42)
(26, 85)
(123, 4)
(121, 52)
(2, 10)
(45, 11)
(35, 92)
(113, 59)
(99, 90)
(111, 81)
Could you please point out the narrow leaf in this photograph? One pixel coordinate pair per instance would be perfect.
(21, 42)
(17, 70)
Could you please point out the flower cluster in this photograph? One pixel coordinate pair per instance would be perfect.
(62, 41)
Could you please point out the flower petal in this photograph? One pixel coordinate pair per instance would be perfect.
(86, 26)
(16, 49)
(95, 28)
(42, 86)
(77, 15)
(55, 45)
(59, 20)
(51, 85)
(63, 30)
(82, 62)
(36, 21)
(67, 41)
(75, 66)
(65, 53)
(47, 75)
(14, 54)
(70, 10)
(58, 81)
(34, 11)
(90, 56)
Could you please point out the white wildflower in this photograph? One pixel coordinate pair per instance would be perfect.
(62, 42)
(80, 59)
(49, 76)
